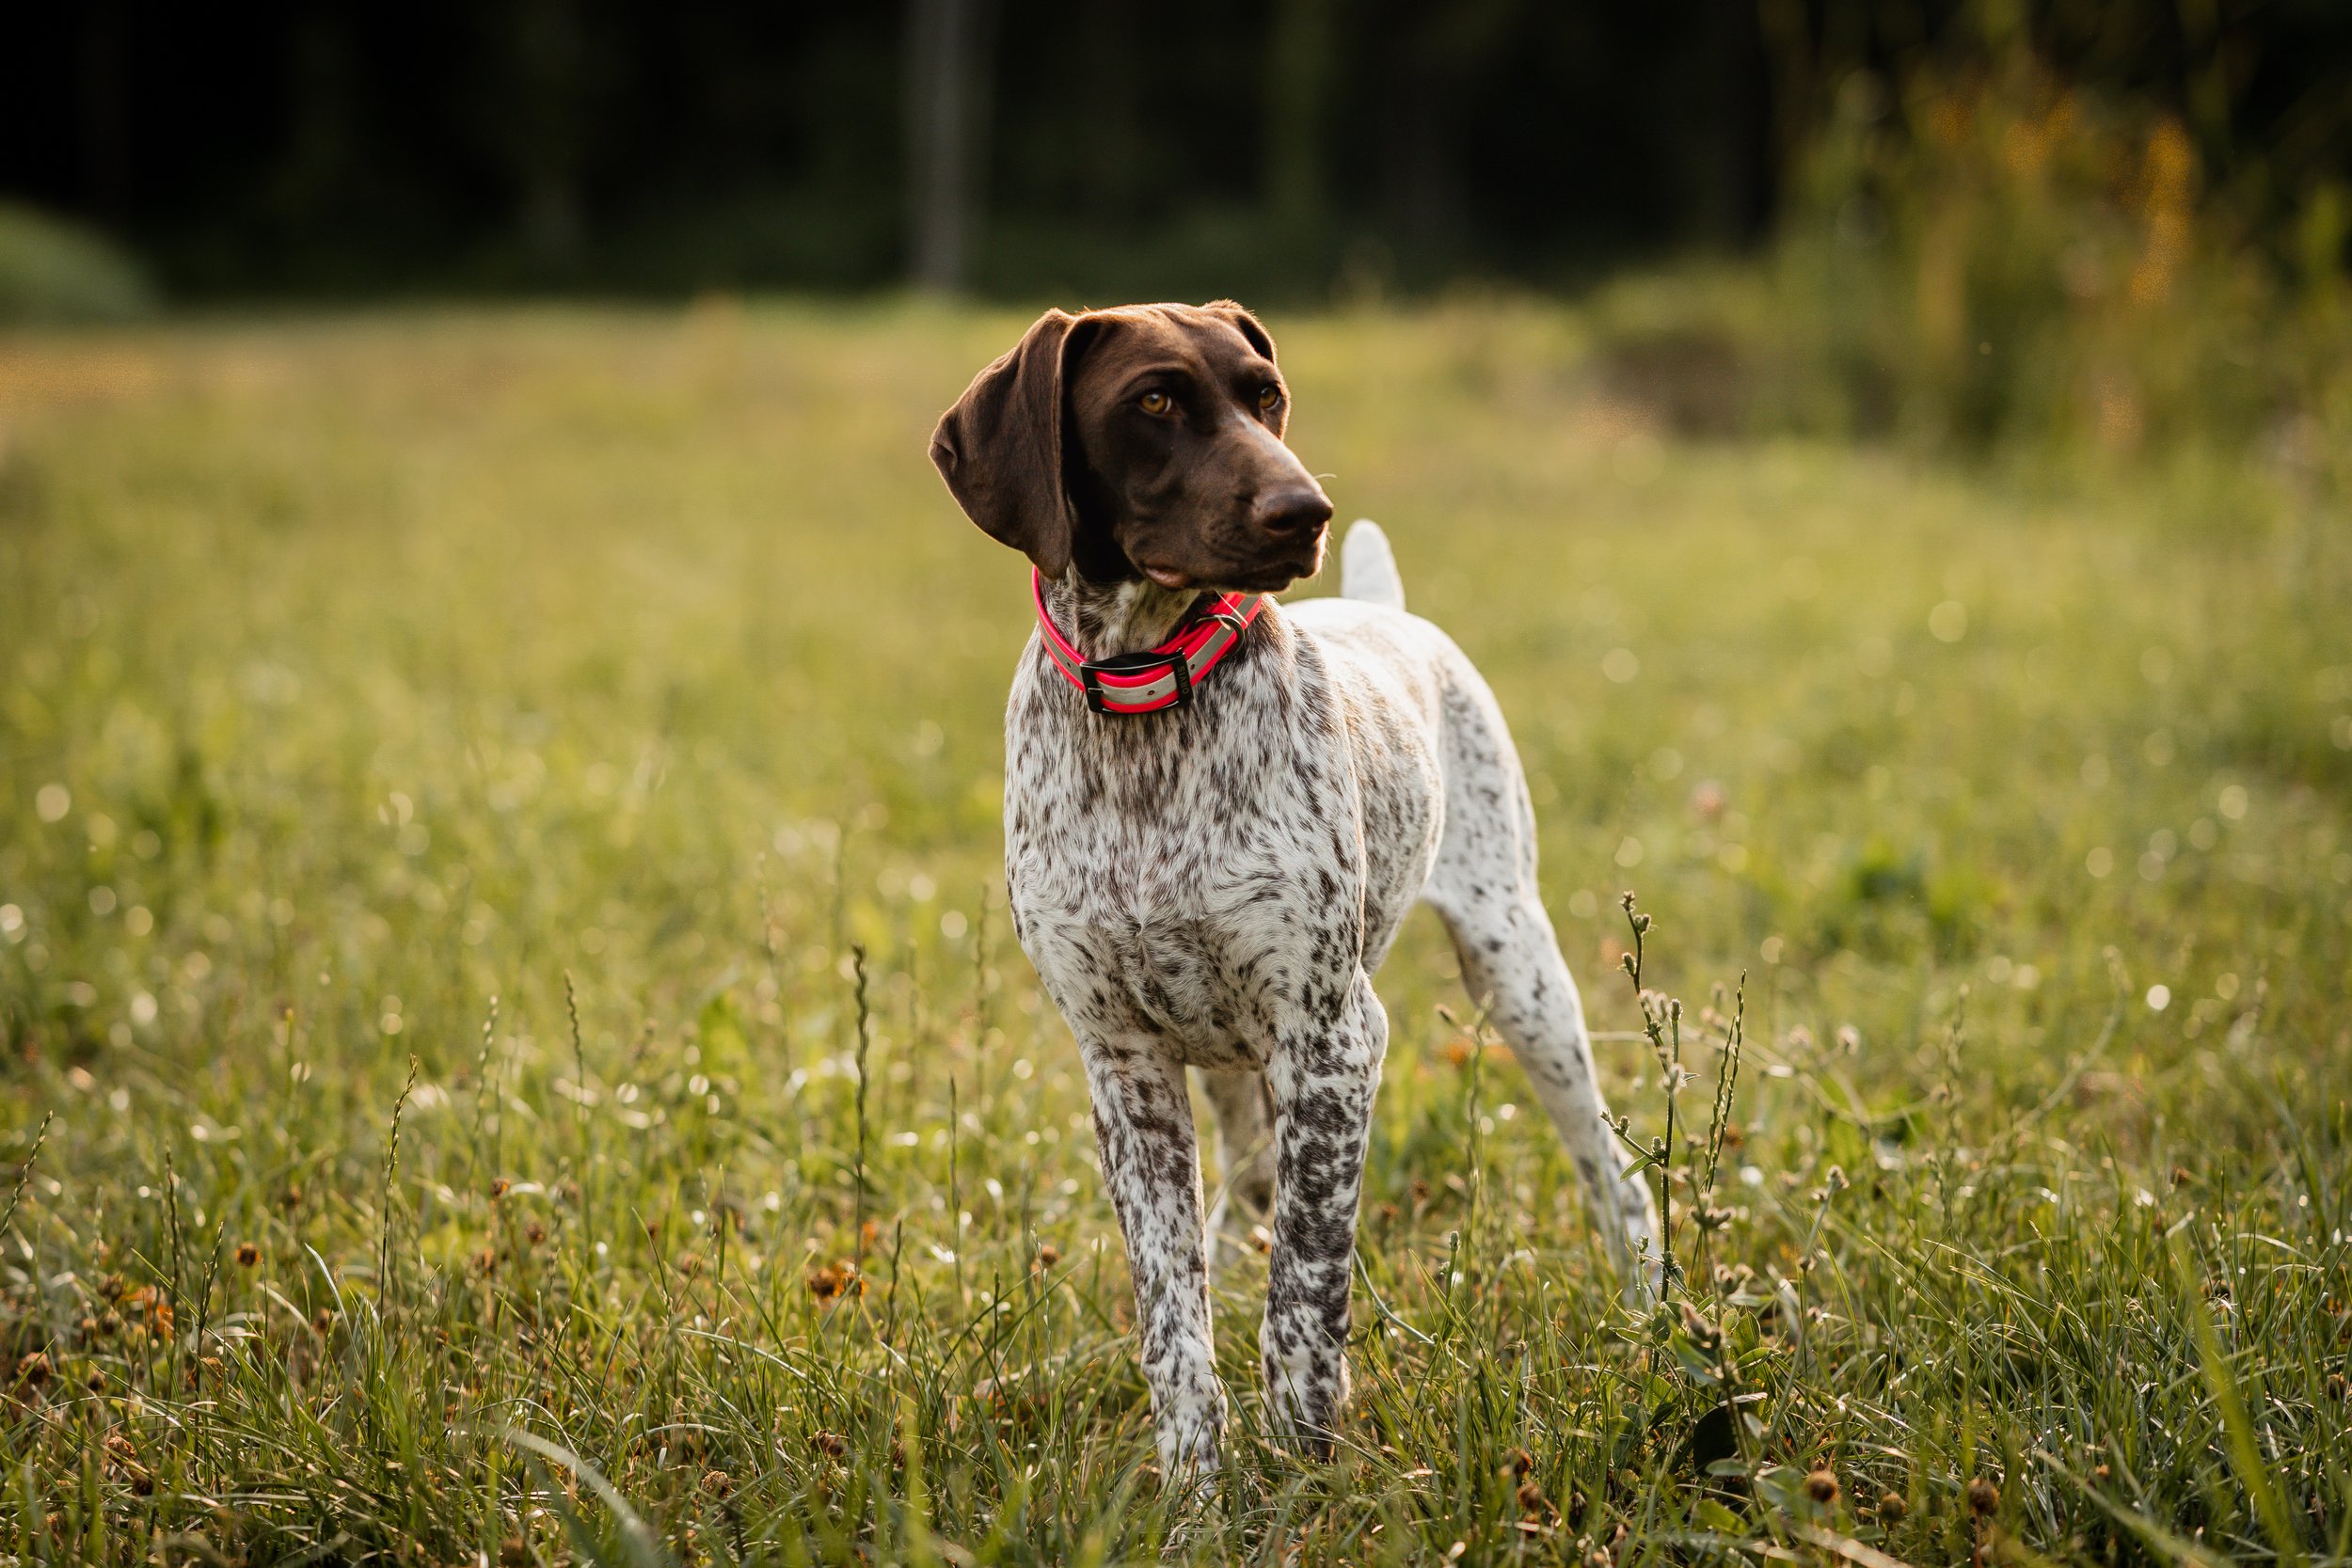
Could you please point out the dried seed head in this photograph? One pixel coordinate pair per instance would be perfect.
(718, 1483)
(1821, 1485)
(247, 1255)
(1983, 1497)
(1521, 1461)
(1048, 1254)
(1891, 1505)
(32, 1370)
(1530, 1498)
(829, 1444)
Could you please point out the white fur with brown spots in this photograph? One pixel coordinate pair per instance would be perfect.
(1214, 886)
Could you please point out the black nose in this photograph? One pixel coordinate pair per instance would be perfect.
(1292, 513)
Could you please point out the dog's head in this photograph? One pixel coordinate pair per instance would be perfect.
(1141, 442)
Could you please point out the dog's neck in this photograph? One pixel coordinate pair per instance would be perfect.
(1106, 619)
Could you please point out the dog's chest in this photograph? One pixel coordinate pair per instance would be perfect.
(1192, 882)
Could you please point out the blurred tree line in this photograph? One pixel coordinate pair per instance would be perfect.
(1086, 148)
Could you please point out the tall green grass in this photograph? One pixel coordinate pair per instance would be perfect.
(499, 895)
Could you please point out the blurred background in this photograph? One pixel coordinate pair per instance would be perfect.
(1971, 217)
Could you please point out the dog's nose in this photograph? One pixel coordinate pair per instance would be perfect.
(1294, 511)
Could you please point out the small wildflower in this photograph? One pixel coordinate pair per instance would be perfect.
(247, 1255)
(535, 1233)
(1820, 1484)
(1703, 1332)
(835, 1279)
(1983, 1497)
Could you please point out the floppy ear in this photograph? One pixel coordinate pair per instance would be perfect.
(1243, 322)
(1000, 448)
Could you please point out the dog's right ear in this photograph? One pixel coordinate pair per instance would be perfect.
(1000, 447)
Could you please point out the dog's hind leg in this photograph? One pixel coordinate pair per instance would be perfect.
(1485, 888)
(1244, 1158)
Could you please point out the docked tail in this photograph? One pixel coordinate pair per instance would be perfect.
(1368, 567)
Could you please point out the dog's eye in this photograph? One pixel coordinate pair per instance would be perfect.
(1267, 397)
(1156, 403)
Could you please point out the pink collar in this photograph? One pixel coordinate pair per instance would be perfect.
(1155, 678)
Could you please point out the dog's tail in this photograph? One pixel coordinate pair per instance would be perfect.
(1368, 566)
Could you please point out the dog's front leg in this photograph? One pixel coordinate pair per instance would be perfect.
(1152, 1163)
(1324, 1081)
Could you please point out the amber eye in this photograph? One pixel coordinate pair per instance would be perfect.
(1268, 397)
(1156, 404)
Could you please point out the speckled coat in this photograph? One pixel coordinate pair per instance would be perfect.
(1213, 887)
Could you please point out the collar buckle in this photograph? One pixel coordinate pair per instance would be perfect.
(1149, 663)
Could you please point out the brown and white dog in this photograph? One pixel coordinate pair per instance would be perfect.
(1213, 883)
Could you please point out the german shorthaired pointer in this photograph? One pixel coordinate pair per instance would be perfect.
(1209, 855)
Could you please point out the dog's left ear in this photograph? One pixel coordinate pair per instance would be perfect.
(1000, 447)
(1243, 322)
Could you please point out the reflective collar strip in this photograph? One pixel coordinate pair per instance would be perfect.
(1149, 681)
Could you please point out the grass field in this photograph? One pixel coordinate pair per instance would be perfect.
(450, 765)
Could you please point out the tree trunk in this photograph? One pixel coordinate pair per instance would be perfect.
(946, 120)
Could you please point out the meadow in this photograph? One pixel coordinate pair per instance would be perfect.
(514, 1053)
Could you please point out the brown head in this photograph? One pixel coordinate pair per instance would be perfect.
(1144, 442)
